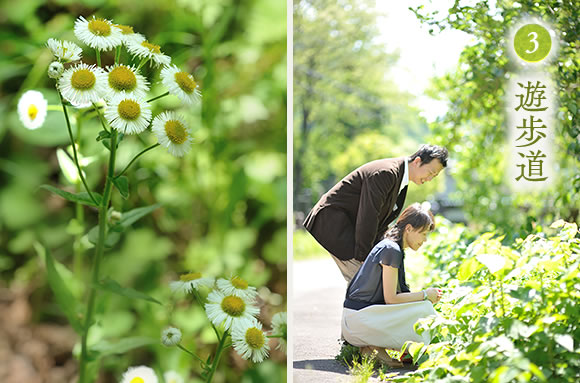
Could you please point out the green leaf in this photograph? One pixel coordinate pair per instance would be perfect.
(565, 341)
(494, 262)
(82, 197)
(122, 184)
(103, 134)
(111, 240)
(417, 350)
(130, 217)
(67, 166)
(468, 268)
(112, 286)
(104, 348)
(62, 294)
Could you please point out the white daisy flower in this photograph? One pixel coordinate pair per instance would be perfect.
(65, 51)
(229, 309)
(238, 287)
(82, 84)
(250, 341)
(171, 336)
(141, 374)
(32, 109)
(123, 78)
(190, 281)
(280, 327)
(172, 377)
(128, 114)
(180, 84)
(172, 133)
(128, 35)
(145, 49)
(98, 33)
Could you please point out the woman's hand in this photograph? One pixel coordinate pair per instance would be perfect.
(433, 294)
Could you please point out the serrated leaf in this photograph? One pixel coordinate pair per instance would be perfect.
(122, 185)
(130, 217)
(104, 347)
(112, 286)
(82, 197)
(62, 294)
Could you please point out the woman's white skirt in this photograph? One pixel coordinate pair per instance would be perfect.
(388, 326)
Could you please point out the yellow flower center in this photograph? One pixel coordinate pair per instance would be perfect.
(185, 82)
(129, 110)
(239, 283)
(83, 79)
(233, 306)
(137, 379)
(125, 29)
(190, 277)
(122, 78)
(152, 47)
(32, 112)
(175, 132)
(255, 338)
(99, 27)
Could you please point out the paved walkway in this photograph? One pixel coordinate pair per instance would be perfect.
(319, 289)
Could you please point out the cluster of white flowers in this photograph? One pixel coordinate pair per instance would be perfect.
(231, 305)
(122, 87)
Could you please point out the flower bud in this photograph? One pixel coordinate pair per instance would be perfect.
(55, 70)
(171, 336)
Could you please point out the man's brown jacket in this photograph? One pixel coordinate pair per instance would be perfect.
(352, 216)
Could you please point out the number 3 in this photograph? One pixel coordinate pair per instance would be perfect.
(533, 40)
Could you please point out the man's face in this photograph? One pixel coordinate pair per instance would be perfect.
(426, 172)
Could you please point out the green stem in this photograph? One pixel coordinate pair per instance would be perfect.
(158, 97)
(143, 61)
(198, 299)
(100, 116)
(216, 360)
(135, 158)
(117, 55)
(502, 307)
(275, 336)
(203, 365)
(72, 140)
(80, 217)
(98, 57)
(99, 250)
(492, 296)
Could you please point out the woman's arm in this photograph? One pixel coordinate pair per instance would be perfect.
(390, 280)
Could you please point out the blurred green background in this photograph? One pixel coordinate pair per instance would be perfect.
(349, 111)
(223, 205)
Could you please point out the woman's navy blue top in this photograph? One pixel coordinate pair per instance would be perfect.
(366, 287)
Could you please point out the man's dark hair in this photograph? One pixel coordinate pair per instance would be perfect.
(428, 153)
